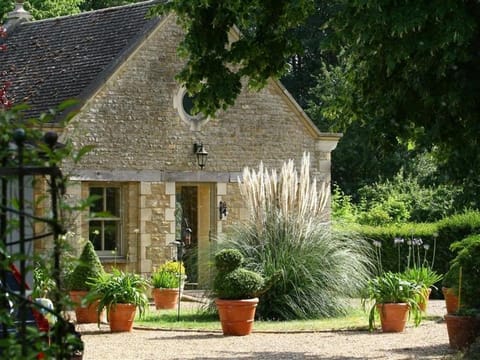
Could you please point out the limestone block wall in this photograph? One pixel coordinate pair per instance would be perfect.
(135, 129)
(133, 124)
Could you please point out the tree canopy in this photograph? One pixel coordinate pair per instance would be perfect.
(215, 65)
(410, 70)
(43, 9)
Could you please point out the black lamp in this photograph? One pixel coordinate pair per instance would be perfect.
(201, 153)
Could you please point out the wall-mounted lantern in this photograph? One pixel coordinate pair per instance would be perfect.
(222, 209)
(201, 153)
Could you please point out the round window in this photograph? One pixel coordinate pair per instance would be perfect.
(184, 105)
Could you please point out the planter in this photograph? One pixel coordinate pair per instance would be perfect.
(424, 304)
(237, 316)
(121, 317)
(393, 316)
(451, 300)
(462, 330)
(85, 314)
(165, 298)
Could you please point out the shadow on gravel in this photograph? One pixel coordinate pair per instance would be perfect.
(190, 336)
(275, 355)
(426, 352)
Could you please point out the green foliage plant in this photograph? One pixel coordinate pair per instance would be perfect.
(392, 287)
(118, 287)
(311, 269)
(163, 279)
(417, 268)
(403, 198)
(43, 283)
(423, 276)
(464, 274)
(232, 282)
(88, 267)
(173, 266)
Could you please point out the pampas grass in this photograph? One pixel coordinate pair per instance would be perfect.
(313, 270)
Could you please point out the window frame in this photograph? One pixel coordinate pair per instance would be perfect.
(120, 240)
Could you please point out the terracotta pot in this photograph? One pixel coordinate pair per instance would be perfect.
(121, 317)
(462, 330)
(85, 314)
(451, 300)
(165, 298)
(393, 316)
(237, 316)
(424, 304)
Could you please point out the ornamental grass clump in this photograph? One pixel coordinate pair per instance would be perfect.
(311, 270)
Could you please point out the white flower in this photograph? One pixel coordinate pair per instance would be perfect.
(398, 240)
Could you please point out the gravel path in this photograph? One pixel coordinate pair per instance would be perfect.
(428, 341)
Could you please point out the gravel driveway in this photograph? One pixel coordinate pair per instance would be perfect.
(428, 341)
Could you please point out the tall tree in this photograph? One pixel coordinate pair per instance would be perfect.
(101, 4)
(215, 65)
(306, 65)
(411, 71)
(43, 9)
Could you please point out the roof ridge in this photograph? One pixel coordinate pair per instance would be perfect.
(86, 13)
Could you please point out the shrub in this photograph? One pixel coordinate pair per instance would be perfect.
(89, 266)
(233, 282)
(228, 260)
(404, 197)
(466, 263)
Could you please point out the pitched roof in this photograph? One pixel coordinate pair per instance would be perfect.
(52, 60)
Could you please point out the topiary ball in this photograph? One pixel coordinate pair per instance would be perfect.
(228, 260)
(238, 284)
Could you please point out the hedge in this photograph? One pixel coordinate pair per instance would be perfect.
(439, 235)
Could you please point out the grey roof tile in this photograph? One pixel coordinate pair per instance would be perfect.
(53, 60)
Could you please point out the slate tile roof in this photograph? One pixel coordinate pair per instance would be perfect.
(52, 60)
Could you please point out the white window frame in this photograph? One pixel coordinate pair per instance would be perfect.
(119, 249)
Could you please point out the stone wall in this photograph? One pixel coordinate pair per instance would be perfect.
(140, 140)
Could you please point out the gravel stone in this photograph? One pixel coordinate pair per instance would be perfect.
(428, 341)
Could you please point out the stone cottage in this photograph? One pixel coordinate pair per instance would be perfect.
(146, 165)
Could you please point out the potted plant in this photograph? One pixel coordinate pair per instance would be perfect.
(165, 289)
(449, 288)
(120, 294)
(88, 267)
(426, 278)
(177, 268)
(450, 280)
(236, 290)
(463, 325)
(395, 299)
